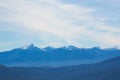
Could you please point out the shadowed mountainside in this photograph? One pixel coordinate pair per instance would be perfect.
(106, 70)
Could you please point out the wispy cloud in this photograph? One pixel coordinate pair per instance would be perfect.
(57, 23)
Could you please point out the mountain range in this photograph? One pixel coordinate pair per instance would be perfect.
(32, 56)
(106, 70)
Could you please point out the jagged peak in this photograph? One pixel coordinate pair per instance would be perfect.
(28, 46)
(48, 48)
(70, 47)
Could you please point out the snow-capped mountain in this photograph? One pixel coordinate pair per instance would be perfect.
(49, 56)
(27, 46)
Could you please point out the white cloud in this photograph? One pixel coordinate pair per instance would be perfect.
(57, 19)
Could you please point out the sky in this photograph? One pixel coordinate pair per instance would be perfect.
(82, 23)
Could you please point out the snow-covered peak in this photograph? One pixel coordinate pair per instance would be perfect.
(71, 47)
(49, 48)
(27, 46)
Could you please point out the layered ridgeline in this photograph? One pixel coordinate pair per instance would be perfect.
(64, 56)
(106, 70)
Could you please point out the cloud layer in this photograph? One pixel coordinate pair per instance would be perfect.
(55, 23)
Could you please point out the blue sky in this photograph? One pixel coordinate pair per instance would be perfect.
(83, 23)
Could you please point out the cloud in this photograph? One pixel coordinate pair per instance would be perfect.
(110, 1)
(57, 23)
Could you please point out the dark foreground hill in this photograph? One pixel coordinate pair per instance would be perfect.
(49, 56)
(107, 70)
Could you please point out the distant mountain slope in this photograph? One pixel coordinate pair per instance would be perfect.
(49, 56)
(107, 70)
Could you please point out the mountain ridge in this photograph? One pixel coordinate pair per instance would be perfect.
(49, 56)
(99, 71)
